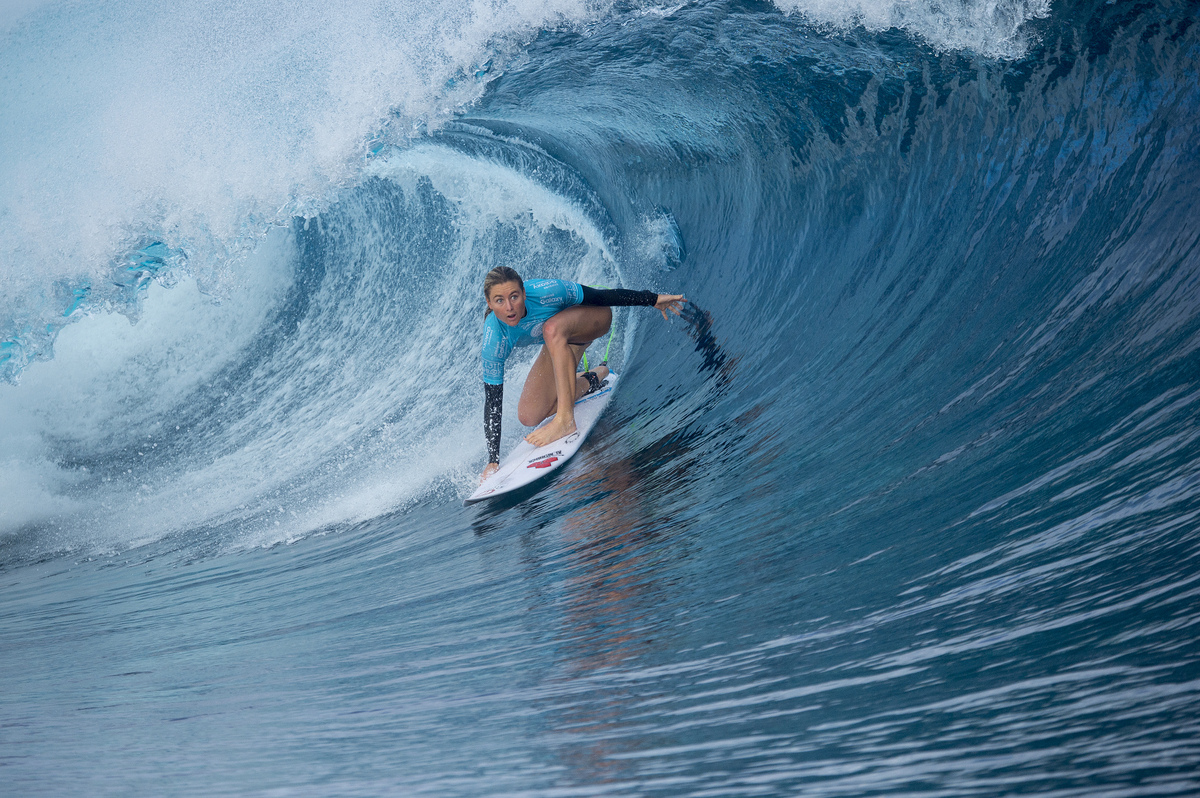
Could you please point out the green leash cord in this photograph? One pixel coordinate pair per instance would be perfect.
(606, 346)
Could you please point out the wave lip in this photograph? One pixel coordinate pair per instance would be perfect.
(990, 28)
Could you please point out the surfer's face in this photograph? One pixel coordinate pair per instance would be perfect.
(507, 301)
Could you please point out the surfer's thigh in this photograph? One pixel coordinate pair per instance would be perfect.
(580, 324)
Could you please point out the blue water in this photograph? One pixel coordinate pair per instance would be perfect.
(908, 504)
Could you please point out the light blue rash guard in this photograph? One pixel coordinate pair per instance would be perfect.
(543, 298)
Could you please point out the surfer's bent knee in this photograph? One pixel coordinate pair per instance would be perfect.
(529, 419)
(551, 332)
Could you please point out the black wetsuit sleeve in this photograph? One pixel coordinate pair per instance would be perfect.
(493, 405)
(617, 297)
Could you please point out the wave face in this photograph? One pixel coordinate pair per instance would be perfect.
(905, 505)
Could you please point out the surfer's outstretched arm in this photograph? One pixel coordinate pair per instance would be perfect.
(625, 297)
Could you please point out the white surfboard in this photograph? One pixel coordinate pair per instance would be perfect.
(527, 463)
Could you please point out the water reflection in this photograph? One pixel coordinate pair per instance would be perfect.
(616, 607)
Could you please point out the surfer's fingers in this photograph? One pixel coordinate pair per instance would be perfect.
(672, 301)
(668, 300)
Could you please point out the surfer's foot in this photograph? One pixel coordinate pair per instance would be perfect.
(557, 428)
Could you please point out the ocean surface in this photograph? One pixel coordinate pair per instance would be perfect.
(906, 504)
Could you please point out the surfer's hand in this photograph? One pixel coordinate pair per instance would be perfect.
(491, 468)
(672, 301)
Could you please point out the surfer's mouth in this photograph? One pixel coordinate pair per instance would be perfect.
(511, 319)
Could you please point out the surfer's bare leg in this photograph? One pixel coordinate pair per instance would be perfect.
(552, 385)
(539, 399)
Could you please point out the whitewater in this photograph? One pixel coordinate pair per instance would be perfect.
(907, 503)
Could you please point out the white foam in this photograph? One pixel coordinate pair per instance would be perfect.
(199, 123)
(994, 28)
(112, 381)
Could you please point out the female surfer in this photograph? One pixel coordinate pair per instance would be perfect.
(562, 316)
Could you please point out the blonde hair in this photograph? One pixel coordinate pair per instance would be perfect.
(499, 276)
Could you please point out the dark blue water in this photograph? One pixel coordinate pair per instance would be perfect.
(907, 504)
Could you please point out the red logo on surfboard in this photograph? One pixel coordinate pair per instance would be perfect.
(542, 463)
